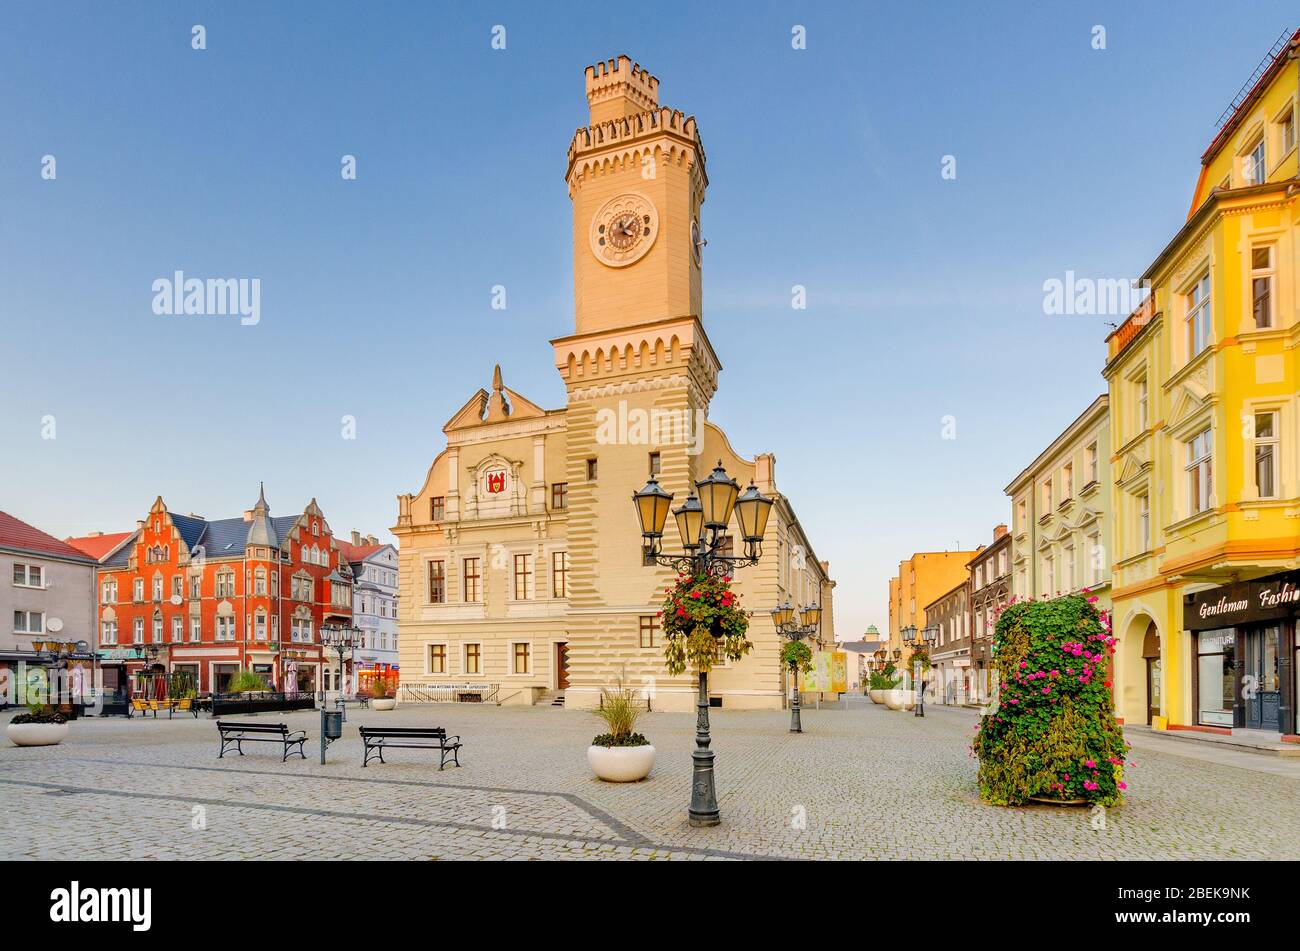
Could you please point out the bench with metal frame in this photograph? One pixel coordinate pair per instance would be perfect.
(377, 739)
(236, 734)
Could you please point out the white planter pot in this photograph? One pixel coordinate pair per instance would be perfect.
(621, 764)
(36, 734)
(877, 696)
(898, 699)
(385, 703)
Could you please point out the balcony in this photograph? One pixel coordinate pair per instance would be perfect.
(1124, 334)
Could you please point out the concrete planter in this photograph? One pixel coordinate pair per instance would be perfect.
(621, 764)
(383, 703)
(36, 734)
(898, 699)
(877, 696)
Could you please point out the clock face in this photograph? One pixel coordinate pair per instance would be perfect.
(623, 230)
(697, 241)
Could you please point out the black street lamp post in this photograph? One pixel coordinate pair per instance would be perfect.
(795, 626)
(702, 522)
(343, 638)
(922, 640)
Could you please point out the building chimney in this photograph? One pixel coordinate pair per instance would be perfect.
(371, 540)
(139, 524)
(94, 534)
(999, 531)
(356, 537)
(248, 515)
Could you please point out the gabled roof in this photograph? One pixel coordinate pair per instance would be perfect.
(100, 545)
(355, 554)
(17, 535)
(220, 538)
(501, 404)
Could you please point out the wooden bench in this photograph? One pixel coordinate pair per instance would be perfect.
(377, 739)
(236, 734)
(142, 707)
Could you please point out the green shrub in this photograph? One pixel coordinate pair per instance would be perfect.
(1052, 732)
(246, 680)
(798, 655)
(881, 681)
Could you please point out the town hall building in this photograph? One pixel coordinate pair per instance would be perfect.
(520, 553)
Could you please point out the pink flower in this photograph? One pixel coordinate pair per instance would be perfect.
(1123, 785)
(1047, 690)
(1090, 764)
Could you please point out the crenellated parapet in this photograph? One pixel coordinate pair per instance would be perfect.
(675, 347)
(668, 135)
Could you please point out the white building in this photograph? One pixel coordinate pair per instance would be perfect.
(374, 602)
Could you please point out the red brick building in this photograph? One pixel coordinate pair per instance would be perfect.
(208, 597)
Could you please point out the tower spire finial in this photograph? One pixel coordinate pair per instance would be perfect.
(496, 378)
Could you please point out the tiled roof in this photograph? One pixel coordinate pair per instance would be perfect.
(220, 538)
(97, 546)
(17, 534)
(354, 554)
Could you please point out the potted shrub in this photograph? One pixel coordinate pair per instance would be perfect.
(41, 725)
(880, 681)
(1051, 735)
(383, 695)
(620, 755)
(245, 681)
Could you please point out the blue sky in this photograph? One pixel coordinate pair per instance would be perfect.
(924, 294)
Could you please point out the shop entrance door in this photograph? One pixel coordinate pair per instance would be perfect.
(1261, 685)
(562, 666)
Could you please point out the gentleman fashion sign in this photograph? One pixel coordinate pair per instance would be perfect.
(1244, 602)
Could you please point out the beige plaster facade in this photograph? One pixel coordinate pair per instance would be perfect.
(520, 554)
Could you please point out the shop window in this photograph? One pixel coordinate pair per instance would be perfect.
(1216, 676)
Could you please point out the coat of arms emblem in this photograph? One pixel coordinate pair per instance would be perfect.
(496, 482)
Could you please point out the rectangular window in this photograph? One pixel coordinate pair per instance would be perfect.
(1266, 455)
(137, 631)
(437, 658)
(259, 627)
(591, 470)
(1047, 497)
(137, 589)
(559, 574)
(471, 579)
(1049, 576)
(655, 464)
(1288, 131)
(559, 495)
(108, 592)
(178, 586)
(1067, 567)
(226, 628)
(196, 629)
(27, 576)
(438, 508)
(1200, 472)
(1142, 417)
(1090, 460)
(1197, 305)
(437, 583)
(178, 630)
(1144, 521)
(649, 624)
(108, 632)
(196, 587)
(1216, 676)
(1020, 515)
(1255, 171)
(29, 622)
(1067, 482)
(1261, 286)
(523, 577)
(1096, 558)
(473, 658)
(522, 658)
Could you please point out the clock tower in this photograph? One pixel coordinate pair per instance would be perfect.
(639, 370)
(636, 178)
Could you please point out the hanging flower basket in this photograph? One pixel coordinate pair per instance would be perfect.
(702, 620)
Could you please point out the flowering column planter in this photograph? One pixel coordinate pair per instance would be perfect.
(1051, 735)
(36, 734)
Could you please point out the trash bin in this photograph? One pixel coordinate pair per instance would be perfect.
(331, 724)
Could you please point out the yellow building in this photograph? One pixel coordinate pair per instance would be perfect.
(1205, 428)
(921, 579)
(521, 562)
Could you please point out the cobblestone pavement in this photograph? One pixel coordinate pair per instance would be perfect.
(861, 783)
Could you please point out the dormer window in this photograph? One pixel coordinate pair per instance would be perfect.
(1253, 169)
